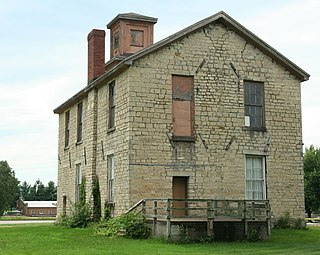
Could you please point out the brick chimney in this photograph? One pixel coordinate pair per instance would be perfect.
(96, 53)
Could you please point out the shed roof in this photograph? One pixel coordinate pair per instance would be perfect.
(218, 17)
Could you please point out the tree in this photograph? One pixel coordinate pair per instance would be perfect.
(312, 180)
(25, 189)
(51, 191)
(38, 192)
(8, 186)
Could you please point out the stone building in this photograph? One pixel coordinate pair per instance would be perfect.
(210, 112)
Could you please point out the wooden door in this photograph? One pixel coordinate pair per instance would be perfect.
(180, 191)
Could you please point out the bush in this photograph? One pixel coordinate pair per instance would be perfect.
(107, 213)
(80, 217)
(286, 222)
(130, 225)
(253, 236)
(283, 221)
(96, 200)
(299, 223)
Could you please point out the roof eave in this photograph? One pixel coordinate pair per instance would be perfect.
(94, 84)
(222, 17)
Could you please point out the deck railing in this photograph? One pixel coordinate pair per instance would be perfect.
(209, 210)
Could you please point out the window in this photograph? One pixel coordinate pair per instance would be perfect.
(136, 38)
(255, 178)
(67, 129)
(33, 212)
(78, 182)
(79, 123)
(41, 212)
(111, 178)
(112, 104)
(182, 106)
(116, 40)
(254, 105)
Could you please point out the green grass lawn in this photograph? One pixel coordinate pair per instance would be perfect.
(50, 239)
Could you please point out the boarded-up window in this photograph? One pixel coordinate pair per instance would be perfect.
(182, 106)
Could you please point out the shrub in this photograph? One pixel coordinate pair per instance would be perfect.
(82, 199)
(253, 236)
(130, 225)
(184, 237)
(283, 221)
(286, 222)
(80, 217)
(81, 213)
(299, 223)
(63, 221)
(96, 200)
(107, 212)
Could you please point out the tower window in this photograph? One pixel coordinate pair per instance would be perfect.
(136, 38)
(116, 40)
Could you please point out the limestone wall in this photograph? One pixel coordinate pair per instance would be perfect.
(219, 115)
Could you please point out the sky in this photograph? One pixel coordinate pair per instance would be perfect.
(43, 53)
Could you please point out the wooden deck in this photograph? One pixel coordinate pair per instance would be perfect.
(208, 211)
(218, 219)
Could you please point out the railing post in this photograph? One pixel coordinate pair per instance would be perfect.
(155, 213)
(168, 218)
(253, 210)
(144, 207)
(268, 218)
(245, 218)
(210, 217)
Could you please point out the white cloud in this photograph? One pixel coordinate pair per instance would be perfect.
(29, 131)
(293, 31)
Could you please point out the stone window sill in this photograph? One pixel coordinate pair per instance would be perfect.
(261, 129)
(79, 143)
(112, 129)
(183, 138)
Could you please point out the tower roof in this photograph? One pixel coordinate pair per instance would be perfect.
(132, 16)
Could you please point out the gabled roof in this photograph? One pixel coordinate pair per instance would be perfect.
(239, 29)
(43, 204)
(218, 17)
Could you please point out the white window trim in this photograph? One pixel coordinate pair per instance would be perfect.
(263, 173)
(78, 180)
(111, 191)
